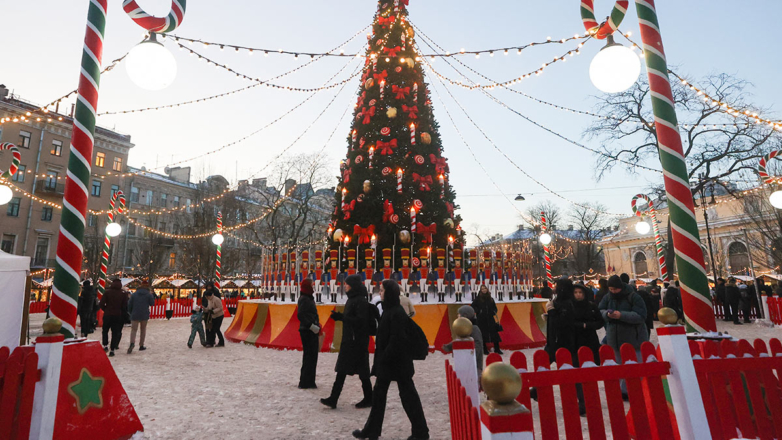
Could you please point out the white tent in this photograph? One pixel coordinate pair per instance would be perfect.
(13, 276)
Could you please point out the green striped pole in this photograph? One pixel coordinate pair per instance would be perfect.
(104, 258)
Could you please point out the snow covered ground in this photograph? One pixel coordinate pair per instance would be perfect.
(243, 392)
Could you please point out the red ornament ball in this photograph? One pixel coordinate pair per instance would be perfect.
(419, 159)
(398, 69)
(394, 219)
(418, 204)
(360, 198)
(385, 131)
(386, 171)
(359, 159)
(416, 262)
(372, 102)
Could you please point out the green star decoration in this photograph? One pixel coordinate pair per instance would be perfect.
(87, 391)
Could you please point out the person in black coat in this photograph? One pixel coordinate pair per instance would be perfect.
(309, 328)
(602, 290)
(649, 302)
(393, 363)
(559, 320)
(485, 311)
(586, 321)
(673, 300)
(85, 307)
(354, 349)
(719, 293)
(733, 298)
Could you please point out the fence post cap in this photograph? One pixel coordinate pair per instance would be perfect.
(51, 326)
(462, 328)
(667, 315)
(495, 409)
(501, 382)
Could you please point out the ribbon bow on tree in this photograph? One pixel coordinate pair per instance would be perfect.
(401, 92)
(367, 114)
(361, 99)
(391, 52)
(346, 175)
(449, 207)
(385, 21)
(348, 208)
(364, 234)
(412, 111)
(424, 182)
(388, 211)
(380, 76)
(387, 148)
(427, 231)
(440, 164)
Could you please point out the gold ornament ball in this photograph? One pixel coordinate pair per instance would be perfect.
(462, 328)
(367, 186)
(52, 326)
(404, 236)
(667, 315)
(370, 82)
(391, 112)
(410, 62)
(501, 382)
(337, 235)
(426, 138)
(448, 223)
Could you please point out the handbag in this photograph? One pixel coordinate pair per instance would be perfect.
(497, 326)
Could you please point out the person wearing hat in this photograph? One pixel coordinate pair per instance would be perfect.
(469, 313)
(559, 321)
(140, 302)
(586, 321)
(85, 306)
(353, 355)
(309, 328)
(114, 304)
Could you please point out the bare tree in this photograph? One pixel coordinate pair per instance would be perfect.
(553, 214)
(764, 232)
(590, 224)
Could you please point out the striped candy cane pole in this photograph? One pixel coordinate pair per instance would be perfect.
(412, 134)
(763, 167)
(684, 227)
(156, 24)
(67, 271)
(104, 258)
(546, 251)
(658, 239)
(16, 159)
(218, 264)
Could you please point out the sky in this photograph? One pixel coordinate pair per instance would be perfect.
(44, 38)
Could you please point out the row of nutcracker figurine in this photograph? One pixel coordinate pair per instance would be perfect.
(504, 273)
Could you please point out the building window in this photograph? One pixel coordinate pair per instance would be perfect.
(134, 194)
(132, 227)
(24, 139)
(171, 260)
(639, 264)
(13, 207)
(19, 176)
(56, 148)
(150, 196)
(176, 201)
(163, 200)
(8, 244)
(51, 180)
(100, 159)
(96, 184)
(117, 166)
(41, 252)
(187, 203)
(92, 220)
(114, 189)
(163, 226)
(46, 214)
(738, 258)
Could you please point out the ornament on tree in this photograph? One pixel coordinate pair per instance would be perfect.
(419, 160)
(412, 134)
(400, 93)
(440, 163)
(416, 262)
(391, 112)
(372, 102)
(386, 171)
(392, 52)
(399, 175)
(360, 198)
(448, 223)
(370, 82)
(359, 159)
(385, 131)
(410, 63)
(367, 186)
(371, 155)
(418, 204)
(426, 138)
(337, 237)
(361, 143)
(412, 112)
(415, 93)
(388, 211)
(404, 236)
(382, 89)
(364, 234)
(427, 232)
(380, 76)
(424, 182)
(380, 42)
(410, 32)
(367, 114)
(348, 208)
(398, 69)
(387, 148)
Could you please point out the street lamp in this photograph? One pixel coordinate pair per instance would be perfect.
(545, 239)
(5, 194)
(775, 199)
(150, 65)
(615, 68)
(218, 239)
(642, 227)
(520, 198)
(113, 229)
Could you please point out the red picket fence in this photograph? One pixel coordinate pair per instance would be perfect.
(775, 309)
(650, 417)
(719, 310)
(18, 375)
(231, 302)
(180, 308)
(38, 307)
(741, 394)
(465, 420)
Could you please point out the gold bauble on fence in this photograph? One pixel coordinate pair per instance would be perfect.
(667, 315)
(501, 382)
(462, 328)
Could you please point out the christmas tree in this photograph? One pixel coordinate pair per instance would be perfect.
(394, 194)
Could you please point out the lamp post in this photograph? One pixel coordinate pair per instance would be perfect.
(658, 240)
(70, 250)
(218, 239)
(112, 230)
(702, 190)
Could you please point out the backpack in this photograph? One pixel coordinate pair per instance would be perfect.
(419, 345)
(372, 319)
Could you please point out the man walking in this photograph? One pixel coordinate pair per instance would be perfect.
(139, 304)
(114, 305)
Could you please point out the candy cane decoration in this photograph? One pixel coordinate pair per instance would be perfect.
(16, 159)
(696, 299)
(399, 175)
(658, 240)
(70, 250)
(763, 172)
(415, 94)
(412, 134)
(546, 251)
(218, 264)
(104, 258)
(382, 89)
(609, 27)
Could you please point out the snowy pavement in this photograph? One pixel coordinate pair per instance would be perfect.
(243, 392)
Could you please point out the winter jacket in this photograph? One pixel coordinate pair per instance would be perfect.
(601, 293)
(559, 329)
(407, 305)
(353, 355)
(214, 306)
(586, 321)
(630, 327)
(140, 302)
(485, 311)
(732, 293)
(649, 318)
(478, 339)
(196, 319)
(115, 300)
(86, 301)
(307, 313)
(719, 292)
(393, 360)
(673, 300)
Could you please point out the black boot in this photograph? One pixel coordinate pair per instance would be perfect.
(330, 402)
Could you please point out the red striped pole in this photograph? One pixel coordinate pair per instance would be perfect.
(546, 251)
(104, 258)
(218, 264)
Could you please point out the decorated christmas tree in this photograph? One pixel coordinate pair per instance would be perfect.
(394, 195)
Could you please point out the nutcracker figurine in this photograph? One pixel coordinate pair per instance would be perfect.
(369, 269)
(423, 256)
(333, 274)
(440, 274)
(387, 271)
(457, 273)
(351, 262)
(294, 279)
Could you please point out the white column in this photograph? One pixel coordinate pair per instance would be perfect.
(683, 383)
(49, 350)
(764, 300)
(466, 369)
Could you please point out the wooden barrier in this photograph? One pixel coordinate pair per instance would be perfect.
(38, 306)
(465, 421)
(18, 375)
(719, 310)
(774, 304)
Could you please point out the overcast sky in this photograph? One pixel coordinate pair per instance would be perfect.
(43, 42)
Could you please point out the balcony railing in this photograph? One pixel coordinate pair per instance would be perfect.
(45, 186)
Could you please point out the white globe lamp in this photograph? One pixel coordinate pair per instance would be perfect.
(642, 227)
(615, 68)
(113, 229)
(5, 194)
(545, 239)
(150, 65)
(218, 239)
(775, 199)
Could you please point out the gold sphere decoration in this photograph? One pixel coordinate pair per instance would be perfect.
(337, 237)
(410, 32)
(52, 326)
(462, 328)
(410, 62)
(426, 138)
(448, 223)
(501, 382)
(391, 112)
(370, 82)
(667, 315)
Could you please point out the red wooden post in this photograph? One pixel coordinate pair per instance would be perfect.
(502, 417)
